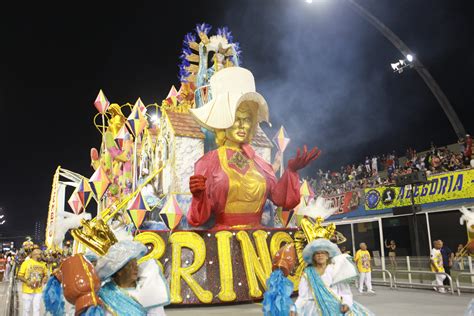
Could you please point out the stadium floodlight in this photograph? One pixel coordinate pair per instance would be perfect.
(402, 64)
(420, 69)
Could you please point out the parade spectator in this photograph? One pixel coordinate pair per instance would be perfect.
(33, 275)
(344, 250)
(367, 165)
(467, 153)
(436, 259)
(3, 264)
(384, 169)
(448, 257)
(8, 266)
(392, 254)
(459, 257)
(374, 166)
(362, 259)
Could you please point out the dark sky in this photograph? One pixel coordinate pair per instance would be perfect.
(324, 71)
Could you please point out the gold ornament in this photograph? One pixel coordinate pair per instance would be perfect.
(194, 45)
(117, 120)
(239, 160)
(309, 231)
(227, 293)
(204, 38)
(300, 243)
(316, 230)
(95, 235)
(194, 242)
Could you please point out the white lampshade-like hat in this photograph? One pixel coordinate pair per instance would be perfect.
(118, 256)
(229, 88)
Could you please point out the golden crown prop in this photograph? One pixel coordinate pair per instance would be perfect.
(313, 230)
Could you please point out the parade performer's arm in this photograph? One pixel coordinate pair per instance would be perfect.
(21, 274)
(286, 192)
(344, 291)
(200, 209)
(357, 257)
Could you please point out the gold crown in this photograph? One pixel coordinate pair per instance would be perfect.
(96, 235)
(315, 230)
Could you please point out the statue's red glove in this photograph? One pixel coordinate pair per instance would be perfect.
(197, 185)
(303, 159)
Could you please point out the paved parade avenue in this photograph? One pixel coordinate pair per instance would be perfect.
(385, 302)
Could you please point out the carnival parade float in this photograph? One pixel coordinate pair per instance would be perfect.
(192, 179)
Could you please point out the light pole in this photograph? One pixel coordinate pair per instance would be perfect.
(422, 71)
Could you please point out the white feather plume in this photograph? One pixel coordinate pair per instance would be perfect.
(64, 222)
(319, 207)
(467, 217)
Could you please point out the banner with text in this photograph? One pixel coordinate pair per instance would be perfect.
(345, 202)
(441, 187)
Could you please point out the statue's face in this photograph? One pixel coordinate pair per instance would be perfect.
(240, 132)
(220, 58)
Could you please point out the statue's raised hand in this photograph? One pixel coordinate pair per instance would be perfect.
(303, 159)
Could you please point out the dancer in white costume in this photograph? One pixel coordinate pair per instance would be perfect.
(131, 289)
(324, 288)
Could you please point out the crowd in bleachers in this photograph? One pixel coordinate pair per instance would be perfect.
(383, 169)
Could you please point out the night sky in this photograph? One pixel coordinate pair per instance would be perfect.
(324, 71)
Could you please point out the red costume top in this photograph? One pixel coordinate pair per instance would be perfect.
(237, 186)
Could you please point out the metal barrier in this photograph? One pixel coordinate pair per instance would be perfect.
(410, 272)
(467, 287)
(390, 277)
(11, 301)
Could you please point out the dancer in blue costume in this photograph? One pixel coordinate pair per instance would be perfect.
(277, 299)
(131, 289)
(324, 288)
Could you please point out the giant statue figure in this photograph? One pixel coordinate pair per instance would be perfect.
(232, 182)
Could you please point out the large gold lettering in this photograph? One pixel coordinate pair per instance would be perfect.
(157, 243)
(227, 293)
(255, 266)
(278, 239)
(194, 242)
